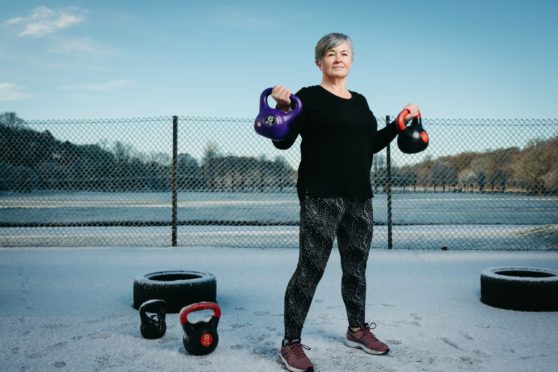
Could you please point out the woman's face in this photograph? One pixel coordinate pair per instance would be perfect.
(337, 61)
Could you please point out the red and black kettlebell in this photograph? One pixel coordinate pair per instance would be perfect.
(152, 315)
(273, 123)
(200, 338)
(412, 138)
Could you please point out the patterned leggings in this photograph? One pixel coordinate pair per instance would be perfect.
(321, 220)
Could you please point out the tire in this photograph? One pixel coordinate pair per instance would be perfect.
(177, 288)
(520, 288)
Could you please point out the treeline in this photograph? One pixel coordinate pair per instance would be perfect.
(32, 160)
(533, 169)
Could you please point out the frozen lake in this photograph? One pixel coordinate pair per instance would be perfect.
(422, 220)
(408, 208)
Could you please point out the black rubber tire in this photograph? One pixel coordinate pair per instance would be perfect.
(178, 288)
(520, 288)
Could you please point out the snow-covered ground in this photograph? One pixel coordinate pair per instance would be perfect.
(421, 220)
(455, 237)
(425, 208)
(70, 309)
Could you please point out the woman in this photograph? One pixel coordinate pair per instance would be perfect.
(339, 137)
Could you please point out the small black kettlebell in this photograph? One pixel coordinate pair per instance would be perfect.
(412, 138)
(153, 325)
(200, 338)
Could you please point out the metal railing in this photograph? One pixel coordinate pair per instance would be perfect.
(481, 184)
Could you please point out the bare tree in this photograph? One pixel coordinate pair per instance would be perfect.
(11, 120)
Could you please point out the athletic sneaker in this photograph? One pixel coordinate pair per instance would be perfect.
(365, 340)
(292, 355)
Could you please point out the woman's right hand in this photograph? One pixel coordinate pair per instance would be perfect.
(282, 96)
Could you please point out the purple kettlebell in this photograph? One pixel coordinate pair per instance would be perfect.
(273, 123)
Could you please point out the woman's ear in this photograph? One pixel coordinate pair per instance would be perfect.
(319, 64)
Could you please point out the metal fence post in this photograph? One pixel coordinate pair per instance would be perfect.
(388, 190)
(174, 183)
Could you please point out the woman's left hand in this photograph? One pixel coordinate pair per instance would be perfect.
(413, 111)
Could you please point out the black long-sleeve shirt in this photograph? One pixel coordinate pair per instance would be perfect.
(339, 138)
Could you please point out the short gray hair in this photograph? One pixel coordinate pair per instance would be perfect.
(330, 41)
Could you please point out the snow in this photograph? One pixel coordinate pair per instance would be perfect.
(521, 274)
(455, 237)
(70, 309)
(422, 220)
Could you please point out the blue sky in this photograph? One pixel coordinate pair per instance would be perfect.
(111, 59)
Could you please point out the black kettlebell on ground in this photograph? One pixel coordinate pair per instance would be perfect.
(412, 138)
(200, 338)
(152, 315)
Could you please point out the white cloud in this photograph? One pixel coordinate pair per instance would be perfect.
(12, 92)
(81, 46)
(14, 21)
(100, 87)
(44, 21)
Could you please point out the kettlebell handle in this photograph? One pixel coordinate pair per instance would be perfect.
(288, 115)
(204, 305)
(400, 121)
(153, 306)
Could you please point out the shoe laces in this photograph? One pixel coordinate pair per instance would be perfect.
(367, 330)
(365, 326)
(297, 349)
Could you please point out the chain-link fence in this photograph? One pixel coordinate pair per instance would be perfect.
(481, 184)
